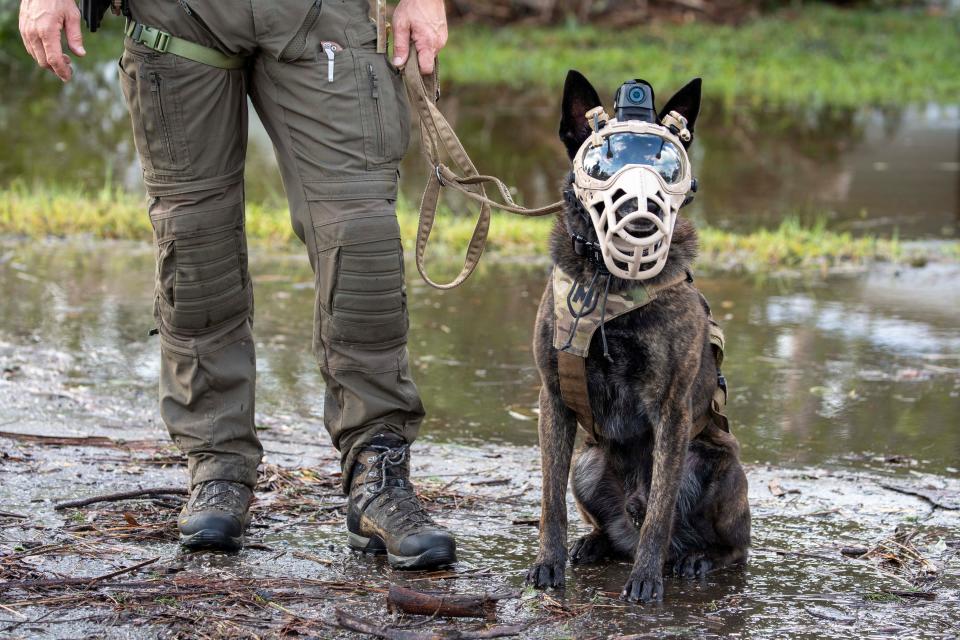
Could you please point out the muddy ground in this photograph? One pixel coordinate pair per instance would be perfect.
(851, 537)
(837, 553)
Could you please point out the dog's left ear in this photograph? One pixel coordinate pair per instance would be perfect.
(686, 102)
(579, 96)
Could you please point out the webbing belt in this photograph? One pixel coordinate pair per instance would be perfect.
(437, 135)
(163, 42)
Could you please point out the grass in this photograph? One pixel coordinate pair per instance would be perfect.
(811, 56)
(111, 213)
(815, 56)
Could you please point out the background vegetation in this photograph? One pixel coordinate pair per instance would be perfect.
(115, 214)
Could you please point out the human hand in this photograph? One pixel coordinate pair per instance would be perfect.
(425, 23)
(41, 24)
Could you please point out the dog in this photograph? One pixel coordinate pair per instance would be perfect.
(654, 487)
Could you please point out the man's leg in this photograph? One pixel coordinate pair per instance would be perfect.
(337, 115)
(190, 127)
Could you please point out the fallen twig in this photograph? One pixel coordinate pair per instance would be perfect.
(451, 605)
(123, 495)
(69, 582)
(902, 593)
(359, 625)
(303, 555)
(935, 497)
(81, 441)
(801, 554)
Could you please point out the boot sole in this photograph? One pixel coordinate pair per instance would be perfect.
(435, 557)
(211, 539)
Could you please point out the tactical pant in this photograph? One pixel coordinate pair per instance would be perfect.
(338, 118)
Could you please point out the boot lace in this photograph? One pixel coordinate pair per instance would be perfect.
(405, 511)
(221, 496)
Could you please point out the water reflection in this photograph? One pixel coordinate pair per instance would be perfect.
(869, 169)
(817, 371)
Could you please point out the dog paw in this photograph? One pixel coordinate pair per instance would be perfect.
(643, 587)
(694, 565)
(547, 574)
(590, 549)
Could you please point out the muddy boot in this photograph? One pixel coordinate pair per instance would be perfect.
(385, 515)
(215, 516)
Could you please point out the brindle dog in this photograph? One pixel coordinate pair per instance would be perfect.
(653, 490)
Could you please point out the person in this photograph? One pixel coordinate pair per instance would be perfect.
(336, 112)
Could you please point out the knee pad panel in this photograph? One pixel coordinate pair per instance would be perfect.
(363, 302)
(202, 280)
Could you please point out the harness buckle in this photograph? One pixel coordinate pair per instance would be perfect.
(161, 41)
(436, 171)
(591, 251)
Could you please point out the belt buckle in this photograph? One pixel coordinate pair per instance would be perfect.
(162, 41)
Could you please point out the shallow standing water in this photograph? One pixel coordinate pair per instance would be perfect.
(840, 389)
(818, 370)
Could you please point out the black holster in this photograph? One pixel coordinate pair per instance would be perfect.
(92, 11)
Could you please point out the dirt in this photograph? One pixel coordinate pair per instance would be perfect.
(836, 552)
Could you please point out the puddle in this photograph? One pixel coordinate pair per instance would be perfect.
(845, 394)
(816, 368)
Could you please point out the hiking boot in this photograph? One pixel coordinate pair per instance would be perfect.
(384, 514)
(216, 516)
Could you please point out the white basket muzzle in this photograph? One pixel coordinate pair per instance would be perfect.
(633, 217)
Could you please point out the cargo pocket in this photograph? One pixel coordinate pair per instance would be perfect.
(128, 67)
(202, 284)
(150, 86)
(384, 112)
(365, 298)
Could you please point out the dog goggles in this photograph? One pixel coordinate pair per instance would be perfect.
(620, 145)
(632, 178)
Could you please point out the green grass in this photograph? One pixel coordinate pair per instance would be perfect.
(817, 56)
(44, 211)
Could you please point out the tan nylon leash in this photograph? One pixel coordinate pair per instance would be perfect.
(436, 134)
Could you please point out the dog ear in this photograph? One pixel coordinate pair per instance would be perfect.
(579, 96)
(686, 102)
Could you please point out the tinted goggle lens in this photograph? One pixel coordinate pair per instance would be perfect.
(619, 150)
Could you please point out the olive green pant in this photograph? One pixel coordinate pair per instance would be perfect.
(339, 128)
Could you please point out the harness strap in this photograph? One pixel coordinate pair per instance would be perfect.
(572, 368)
(574, 390)
(437, 135)
(163, 42)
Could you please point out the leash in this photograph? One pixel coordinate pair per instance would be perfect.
(436, 136)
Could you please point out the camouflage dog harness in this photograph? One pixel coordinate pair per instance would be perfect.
(578, 313)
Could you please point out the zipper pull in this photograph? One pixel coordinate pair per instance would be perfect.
(330, 48)
(374, 88)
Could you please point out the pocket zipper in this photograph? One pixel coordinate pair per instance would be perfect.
(161, 115)
(375, 94)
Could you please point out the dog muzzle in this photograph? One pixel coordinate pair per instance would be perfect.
(632, 178)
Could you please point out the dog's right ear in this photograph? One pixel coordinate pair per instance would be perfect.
(579, 96)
